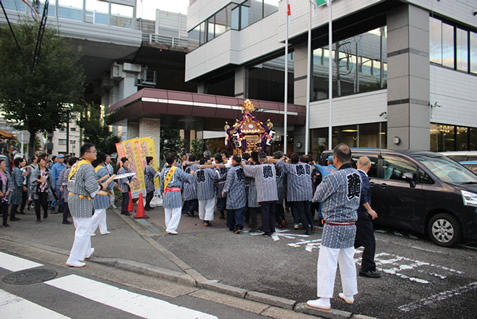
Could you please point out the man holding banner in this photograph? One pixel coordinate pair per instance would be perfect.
(172, 179)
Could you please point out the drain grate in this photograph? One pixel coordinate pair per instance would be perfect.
(29, 276)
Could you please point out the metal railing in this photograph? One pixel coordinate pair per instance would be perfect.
(171, 42)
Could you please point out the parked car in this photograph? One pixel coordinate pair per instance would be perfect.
(466, 158)
(422, 192)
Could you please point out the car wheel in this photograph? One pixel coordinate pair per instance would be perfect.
(444, 230)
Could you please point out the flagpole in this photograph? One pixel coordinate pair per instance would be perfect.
(330, 76)
(308, 84)
(285, 127)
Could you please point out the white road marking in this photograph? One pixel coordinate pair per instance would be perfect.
(136, 304)
(13, 306)
(400, 266)
(14, 263)
(437, 298)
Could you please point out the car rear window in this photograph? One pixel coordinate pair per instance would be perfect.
(447, 170)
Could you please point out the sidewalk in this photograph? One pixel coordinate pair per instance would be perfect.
(247, 266)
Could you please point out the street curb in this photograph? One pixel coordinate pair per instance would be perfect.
(271, 300)
(332, 314)
(222, 288)
(145, 269)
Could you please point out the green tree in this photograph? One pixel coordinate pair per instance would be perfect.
(39, 80)
(171, 141)
(197, 148)
(96, 131)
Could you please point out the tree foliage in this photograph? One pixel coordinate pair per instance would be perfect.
(171, 141)
(38, 96)
(96, 131)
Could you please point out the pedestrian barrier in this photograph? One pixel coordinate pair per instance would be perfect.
(130, 205)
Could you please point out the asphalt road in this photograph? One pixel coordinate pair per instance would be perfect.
(419, 279)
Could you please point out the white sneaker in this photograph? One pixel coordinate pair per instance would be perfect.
(348, 299)
(93, 234)
(106, 232)
(90, 254)
(76, 264)
(320, 303)
(114, 206)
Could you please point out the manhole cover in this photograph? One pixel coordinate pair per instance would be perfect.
(29, 276)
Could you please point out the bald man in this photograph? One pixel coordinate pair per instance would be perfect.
(364, 225)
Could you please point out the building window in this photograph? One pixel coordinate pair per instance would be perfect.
(435, 36)
(361, 135)
(62, 130)
(61, 142)
(73, 129)
(266, 80)
(233, 16)
(462, 49)
(473, 52)
(72, 142)
(362, 65)
(447, 45)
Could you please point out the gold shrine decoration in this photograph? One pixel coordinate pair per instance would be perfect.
(248, 106)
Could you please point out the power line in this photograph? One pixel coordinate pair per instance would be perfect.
(10, 25)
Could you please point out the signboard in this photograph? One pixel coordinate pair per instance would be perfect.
(136, 150)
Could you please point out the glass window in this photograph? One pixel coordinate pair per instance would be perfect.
(210, 29)
(194, 34)
(369, 135)
(462, 138)
(448, 45)
(251, 12)
(222, 21)
(424, 178)
(442, 138)
(462, 50)
(121, 15)
(447, 170)
(345, 134)
(61, 142)
(394, 168)
(473, 138)
(235, 18)
(270, 6)
(435, 37)
(202, 37)
(473, 52)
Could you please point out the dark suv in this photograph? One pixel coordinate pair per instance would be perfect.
(422, 192)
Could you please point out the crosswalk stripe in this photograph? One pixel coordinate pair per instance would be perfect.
(136, 304)
(13, 263)
(13, 306)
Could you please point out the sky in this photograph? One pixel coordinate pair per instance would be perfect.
(147, 8)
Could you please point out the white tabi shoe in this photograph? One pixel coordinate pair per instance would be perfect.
(320, 303)
(348, 299)
(93, 234)
(76, 264)
(106, 232)
(90, 254)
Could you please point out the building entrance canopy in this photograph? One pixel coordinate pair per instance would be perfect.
(197, 111)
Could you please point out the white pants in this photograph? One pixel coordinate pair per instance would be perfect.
(206, 209)
(173, 217)
(327, 263)
(99, 219)
(82, 243)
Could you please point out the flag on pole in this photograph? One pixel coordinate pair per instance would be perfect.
(289, 10)
(319, 2)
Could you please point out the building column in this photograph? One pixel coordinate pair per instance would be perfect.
(133, 130)
(241, 82)
(408, 78)
(301, 61)
(151, 128)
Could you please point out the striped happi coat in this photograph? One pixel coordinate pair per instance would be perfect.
(102, 201)
(340, 195)
(8, 186)
(235, 188)
(83, 183)
(190, 188)
(63, 181)
(206, 178)
(35, 175)
(221, 181)
(264, 177)
(252, 201)
(173, 199)
(122, 182)
(281, 184)
(299, 186)
(149, 174)
(17, 192)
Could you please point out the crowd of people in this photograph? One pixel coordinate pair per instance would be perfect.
(237, 187)
(40, 184)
